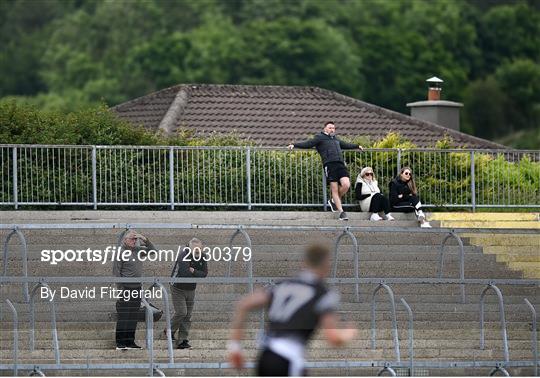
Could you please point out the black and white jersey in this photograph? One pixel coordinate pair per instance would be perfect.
(296, 306)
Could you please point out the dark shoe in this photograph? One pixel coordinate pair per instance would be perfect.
(343, 216)
(184, 345)
(332, 205)
(133, 346)
(121, 347)
(165, 335)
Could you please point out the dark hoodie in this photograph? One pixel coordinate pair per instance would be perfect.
(398, 187)
(328, 146)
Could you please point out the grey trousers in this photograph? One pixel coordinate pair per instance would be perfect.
(183, 301)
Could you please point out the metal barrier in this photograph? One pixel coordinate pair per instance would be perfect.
(150, 339)
(411, 336)
(501, 369)
(24, 257)
(53, 321)
(452, 234)
(387, 368)
(502, 319)
(394, 321)
(36, 372)
(534, 341)
(250, 280)
(356, 253)
(167, 319)
(240, 231)
(15, 336)
(174, 176)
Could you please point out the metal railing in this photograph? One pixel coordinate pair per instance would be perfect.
(154, 367)
(504, 334)
(241, 230)
(15, 320)
(392, 313)
(534, 341)
(253, 176)
(52, 309)
(450, 235)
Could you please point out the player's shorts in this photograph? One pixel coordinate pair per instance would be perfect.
(335, 170)
(272, 364)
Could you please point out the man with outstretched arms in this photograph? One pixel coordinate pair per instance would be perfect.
(330, 148)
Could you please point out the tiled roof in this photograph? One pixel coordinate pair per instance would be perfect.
(278, 115)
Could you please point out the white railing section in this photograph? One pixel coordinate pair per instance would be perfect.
(254, 176)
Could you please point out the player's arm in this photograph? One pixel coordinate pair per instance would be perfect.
(258, 299)
(336, 336)
(305, 145)
(349, 146)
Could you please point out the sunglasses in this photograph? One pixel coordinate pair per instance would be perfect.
(368, 174)
(407, 173)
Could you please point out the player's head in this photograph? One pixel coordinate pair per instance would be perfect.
(317, 259)
(329, 127)
(196, 246)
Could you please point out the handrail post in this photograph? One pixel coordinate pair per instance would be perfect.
(15, 337)
(394, 320)
(452, 234)
(398, 161)
(53, 321)
(24, 257)
(356, 253)
(387, 368)
(248, 176)
(171, 176)
(498, 368)
(324, 191)
(15, 177)
(167, 319)
(502, 319)
(240, 231)
(158, 371)
(94, 176)
(150, 339)
(473, 183)
(534, 340)
(37, 372)
(411, 337)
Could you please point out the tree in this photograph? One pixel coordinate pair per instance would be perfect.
(509, 32)
(520, 81)
(299, 52)
(484, 112)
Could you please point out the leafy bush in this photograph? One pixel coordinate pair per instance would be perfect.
(141, 174)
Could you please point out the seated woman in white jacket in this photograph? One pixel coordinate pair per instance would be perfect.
(371, 199)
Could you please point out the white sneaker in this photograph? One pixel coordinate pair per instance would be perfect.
(425, 225)
(375, 217)
(389, 217)
(421, 216)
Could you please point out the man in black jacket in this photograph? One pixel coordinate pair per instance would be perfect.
(190, 263)
(329, 147)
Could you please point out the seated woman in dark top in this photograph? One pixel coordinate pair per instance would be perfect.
(404, 196)
(371, 199)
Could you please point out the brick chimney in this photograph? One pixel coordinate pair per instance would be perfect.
(443, 113)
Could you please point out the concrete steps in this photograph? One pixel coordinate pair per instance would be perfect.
(519, 252)
(444, 329)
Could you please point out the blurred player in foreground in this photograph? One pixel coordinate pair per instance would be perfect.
(296, 307)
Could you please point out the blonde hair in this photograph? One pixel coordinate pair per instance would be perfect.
(365, 170)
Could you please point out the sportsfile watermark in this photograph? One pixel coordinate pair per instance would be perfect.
(120, 254)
